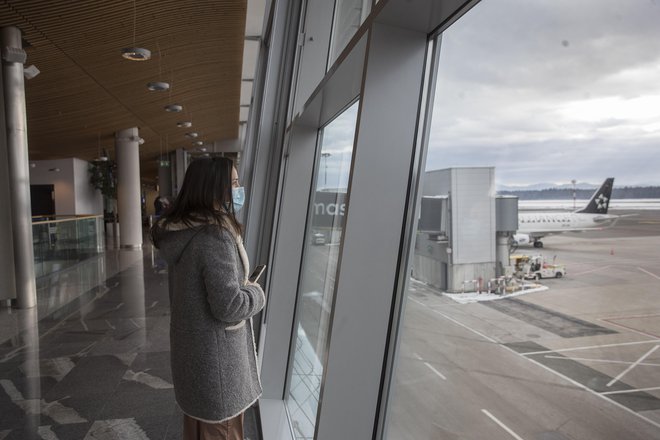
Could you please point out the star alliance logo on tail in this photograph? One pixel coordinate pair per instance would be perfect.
(602, 201)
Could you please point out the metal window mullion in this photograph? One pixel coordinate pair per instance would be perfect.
(384, 149)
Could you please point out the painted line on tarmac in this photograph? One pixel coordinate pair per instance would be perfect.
(631, 391)
(557, 373)
(488, 338)
(588, 347)
(606, 361)
(442, 376)
(627, 370)
(586, 388)
(649, 273)
(590, 271)
(640, 332)
(502, 425)
(617, 318)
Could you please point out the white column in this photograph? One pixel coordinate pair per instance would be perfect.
(164, 178)
(128, 188)
(7, 280)
(18, 171)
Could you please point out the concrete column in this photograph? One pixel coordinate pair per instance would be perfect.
(502, 252)
(18, 167)
(181, 166)
(7, 280)
(127, 150)
(164, 179)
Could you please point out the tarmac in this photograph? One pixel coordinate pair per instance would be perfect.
(580, 360)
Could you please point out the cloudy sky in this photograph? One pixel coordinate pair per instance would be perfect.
(551, 90)
(544, 90)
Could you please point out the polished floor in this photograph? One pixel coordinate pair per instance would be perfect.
(92, 360)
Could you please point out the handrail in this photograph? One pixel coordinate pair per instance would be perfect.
(82, 217)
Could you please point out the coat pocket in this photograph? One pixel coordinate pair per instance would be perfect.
(235, 327)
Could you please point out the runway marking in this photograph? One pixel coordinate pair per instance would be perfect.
(607, 361)
(588, 347)
(649, 273)
(591, 271)
(631, 391)
(502, 425)
(558, 374)
(585, 388)
(643, 333)
(627, 370)
(442, 376)
(488, 338)
(616, 318)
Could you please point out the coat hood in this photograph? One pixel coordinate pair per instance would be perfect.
(173, 239)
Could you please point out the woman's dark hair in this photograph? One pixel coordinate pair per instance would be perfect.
(205, 196)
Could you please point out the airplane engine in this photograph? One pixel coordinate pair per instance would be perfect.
(519, 239)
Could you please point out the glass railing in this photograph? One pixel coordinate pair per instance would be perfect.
(60, 242)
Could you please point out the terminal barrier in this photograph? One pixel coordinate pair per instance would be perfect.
(62, 241)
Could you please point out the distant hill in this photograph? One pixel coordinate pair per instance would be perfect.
(625, 192)
(541, 186)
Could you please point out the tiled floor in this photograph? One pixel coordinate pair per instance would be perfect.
(92, 361)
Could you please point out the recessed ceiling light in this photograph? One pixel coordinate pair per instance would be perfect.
(184, 124)
(192, 135)
(136, 53)
(158, 86)
(174, 108)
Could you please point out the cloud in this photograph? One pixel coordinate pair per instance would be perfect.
(550, 90)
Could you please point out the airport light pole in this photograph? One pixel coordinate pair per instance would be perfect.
(325, 179)
(574, 182)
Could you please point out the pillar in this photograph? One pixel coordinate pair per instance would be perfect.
(164, 179)
(7, 281)
(18, 170)
(127, 151)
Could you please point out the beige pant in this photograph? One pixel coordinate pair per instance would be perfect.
(231, 429)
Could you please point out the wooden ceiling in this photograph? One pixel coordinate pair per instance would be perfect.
(86, 89)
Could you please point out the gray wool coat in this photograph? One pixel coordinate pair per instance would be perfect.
(214, 365)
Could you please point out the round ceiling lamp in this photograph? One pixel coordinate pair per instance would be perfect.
(184, 124)
(158, 86)
(198, 143)
(192, 135)
(136, 53)
(173, 108)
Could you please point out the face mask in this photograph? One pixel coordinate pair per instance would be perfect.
(238, 197)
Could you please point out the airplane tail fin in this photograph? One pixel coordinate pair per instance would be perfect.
(600, 201)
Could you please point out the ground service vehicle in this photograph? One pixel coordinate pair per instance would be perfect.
(536, 267)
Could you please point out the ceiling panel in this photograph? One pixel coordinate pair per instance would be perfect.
(86, 90)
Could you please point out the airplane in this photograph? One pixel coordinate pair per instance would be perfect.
(533, 226)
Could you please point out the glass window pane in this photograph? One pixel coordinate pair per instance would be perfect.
(317, 282)
(501, 337)
(349, 15)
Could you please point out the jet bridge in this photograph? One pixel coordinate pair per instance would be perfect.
(464, 230)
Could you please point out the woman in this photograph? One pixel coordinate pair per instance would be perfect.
(214, 368)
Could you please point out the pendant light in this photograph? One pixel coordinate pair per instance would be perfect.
(135, 53)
